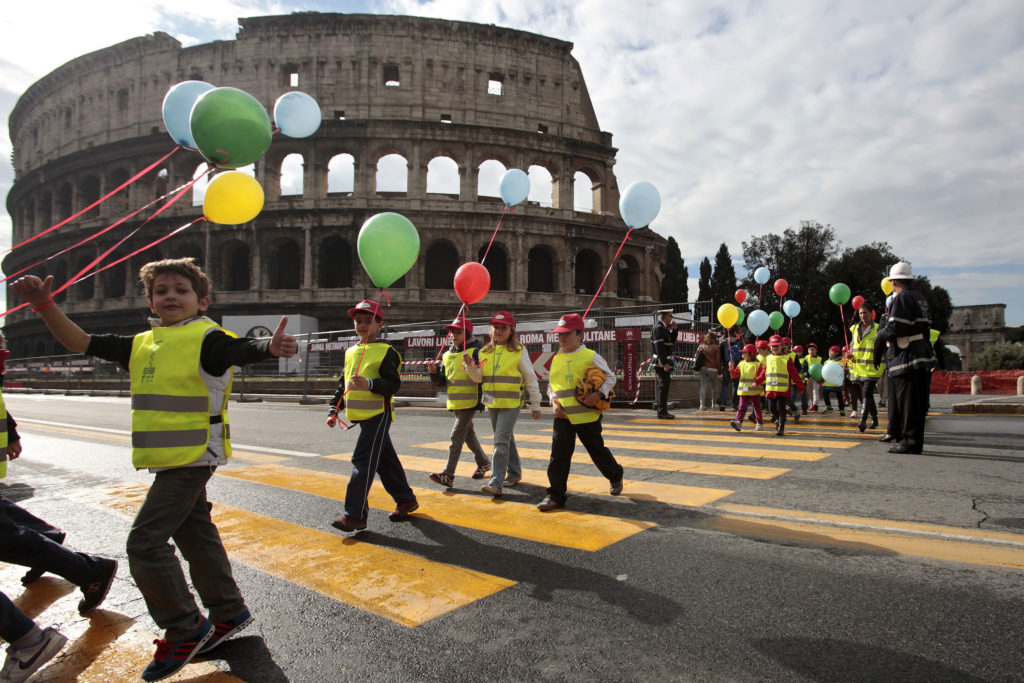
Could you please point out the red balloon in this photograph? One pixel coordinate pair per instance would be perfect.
(781, 287)
(472, 282)
(857, 302)
(741, 295)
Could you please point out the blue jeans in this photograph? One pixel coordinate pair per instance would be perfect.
(506, 457)
(709, 379)
(13, 622)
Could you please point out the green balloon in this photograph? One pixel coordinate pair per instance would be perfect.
(775, 320)
(742, 315)
(839, 293)
(388, 245)
(231, 128)
(814, 370)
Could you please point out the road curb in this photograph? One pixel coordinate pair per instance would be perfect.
(988, 409)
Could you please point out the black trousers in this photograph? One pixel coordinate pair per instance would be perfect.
(909, 395)
(867, 388)
(563, 443)
(662, 380)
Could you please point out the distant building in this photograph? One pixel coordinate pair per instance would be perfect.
(972, 329)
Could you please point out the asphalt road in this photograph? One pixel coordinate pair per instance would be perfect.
(838, 562)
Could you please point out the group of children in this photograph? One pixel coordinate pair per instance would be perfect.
(181, 372)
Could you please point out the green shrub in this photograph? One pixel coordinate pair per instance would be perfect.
(1002, 357)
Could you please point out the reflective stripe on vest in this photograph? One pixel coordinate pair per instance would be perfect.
(748, 372)
(862, 350)
(463, 392)
(776, 373)
(567, 369)
(502, 379)
(362, 404)
(170, 401)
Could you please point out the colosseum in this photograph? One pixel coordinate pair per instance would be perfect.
(420, 116)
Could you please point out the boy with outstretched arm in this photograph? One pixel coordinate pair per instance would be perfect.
(181, 371)
(576, 417)
(369, 382)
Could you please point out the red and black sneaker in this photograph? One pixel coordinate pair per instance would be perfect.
(222, 630)
(403, 509)
(172, 655)
(346, 523)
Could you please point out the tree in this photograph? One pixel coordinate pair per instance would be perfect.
(939, 302)
(1001, 357)
(862, 269)
(704, 288)
(674, 286)
(723, 279)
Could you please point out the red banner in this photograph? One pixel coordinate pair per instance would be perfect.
(630, 381)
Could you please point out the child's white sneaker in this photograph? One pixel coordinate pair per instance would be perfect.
(757, 428)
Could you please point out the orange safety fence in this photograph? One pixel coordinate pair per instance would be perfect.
(992, 381)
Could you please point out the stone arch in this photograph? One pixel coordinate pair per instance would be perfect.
(392, 177)
(586, 272)
(582, 189)
(89, 192)
(334, 263)
(441, 263)
(115, 280)
(443, 177)
(284, 266)
(541, 274)
(542, 186)
(291, 174)
(628, 277)
(235, 266)
(341, 174)
(65, 196)
(85, 289)
(45, 210)
(496, 264)
(489, 174)
(60, 276)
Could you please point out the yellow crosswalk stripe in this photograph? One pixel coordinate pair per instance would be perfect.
(404, 588)
(732, 437)
(567, 528)
(806, 427)
(671, 494)
(661, 464)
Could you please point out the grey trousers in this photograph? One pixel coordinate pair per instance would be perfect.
(506, 457)
(464, 433)
(176, 508)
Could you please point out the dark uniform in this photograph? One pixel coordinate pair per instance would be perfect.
(663, 339)
(910, 360)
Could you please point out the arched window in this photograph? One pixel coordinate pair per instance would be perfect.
(334, 264)
(64, 195)
(541, 270)
(60, 276)
(161, 183)
(443, 177)
(291, 175)
(628, 270)
(199, 189)
(496, 264)
(341, 173)
(187, 250)
(285, 266)
(488, 182)
(392, 174)
(588, 272)
(45, 211)
(85, 289)
(114, 280)
(442, 262)
(119, 202)
(89, 192)
(541, 190)
(582, 192)
(235, 266)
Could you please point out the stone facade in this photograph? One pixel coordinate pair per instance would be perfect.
(972, 329)
(438, 96)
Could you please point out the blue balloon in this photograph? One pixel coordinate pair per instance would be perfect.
(832, 373)
(177, 110)
(761, 275)
(757, 322)
(639, 204)
(296, 114)
(515, 187)
(791, 308)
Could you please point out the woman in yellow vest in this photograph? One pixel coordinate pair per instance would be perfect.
(504, 371)
(863, 370)
(575, 417)
(748, 389)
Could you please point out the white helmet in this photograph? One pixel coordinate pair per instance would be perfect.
(901, 271)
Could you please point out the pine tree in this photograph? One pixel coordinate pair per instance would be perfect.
(674, 287)
(704, 293)
(723, 280)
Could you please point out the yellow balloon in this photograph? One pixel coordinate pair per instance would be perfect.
(886, 286)
(233, 197)
(728, 315)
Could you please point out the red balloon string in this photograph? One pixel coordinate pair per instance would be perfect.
(494, 234)
(141, 249)
(100, 200)
(842, 317)
(615, 260)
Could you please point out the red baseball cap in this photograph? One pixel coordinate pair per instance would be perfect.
(812, 344)
(775, 340)
(503, 318)
(762, 344)
(749, 348)
(461, 323)
(569, 322)
(834, 348)
(787, 340)
(367, 306)
(798, 348)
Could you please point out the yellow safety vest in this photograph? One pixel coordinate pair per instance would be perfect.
(463, 392)
(567, 369)
(862, 352)
(170, 401)
(362, 404)
(748, 373)
(503, 381)
(776, 373)
(3, 437)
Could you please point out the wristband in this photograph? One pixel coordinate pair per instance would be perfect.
(44, 306)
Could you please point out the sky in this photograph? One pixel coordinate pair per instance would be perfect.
(900, 122)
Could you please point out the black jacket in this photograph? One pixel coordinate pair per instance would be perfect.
(905, 334)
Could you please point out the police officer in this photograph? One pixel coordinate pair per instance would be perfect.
(910, 360)
(663, 339)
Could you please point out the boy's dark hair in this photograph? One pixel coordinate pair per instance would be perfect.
(185, 267)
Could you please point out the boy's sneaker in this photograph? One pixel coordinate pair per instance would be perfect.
(443, 478)
(757, 428)
(796, 416)
(512, 480)
(853, 413)
(827, 410)
(616, 488)
(481, 471)
(98, 586)
(842, 413)
(493, 490)
(735, 425)
(35, 573)
(22, 662)
(403, 509)
(223, 630)
(172, 655)
(548, 504)
(346, 523)
(814, 407)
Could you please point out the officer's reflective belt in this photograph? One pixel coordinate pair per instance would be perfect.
(170, 404)
(176, 438)
(894, 369)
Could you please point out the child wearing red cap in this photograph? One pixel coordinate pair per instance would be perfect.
(463, 399)
(748, 389)
(827, 389)
(369, 382)
(575, 417)
(778, 375)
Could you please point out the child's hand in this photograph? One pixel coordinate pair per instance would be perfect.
(536, 414)
(556, 409)
(432, 367)
(13, 450)
(359, 383)
(591, 399)
(332, 419)
(282, 344)
(467, 361)
(33, 290)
